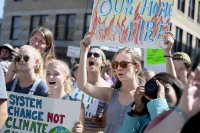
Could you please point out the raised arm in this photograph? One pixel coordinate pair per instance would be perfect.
(102, 93)
(167, 51)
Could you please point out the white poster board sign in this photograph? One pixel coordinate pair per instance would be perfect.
(90, 103)
(73, 51)
(130, 23)
(34, 114)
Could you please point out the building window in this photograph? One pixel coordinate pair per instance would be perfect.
(191, 9)
(197, 45)
(86, 23)
(188, 46)
(198, 18)
(15, 28)
(178, 40)
(181, 5)
(38, 20)
(65, 27)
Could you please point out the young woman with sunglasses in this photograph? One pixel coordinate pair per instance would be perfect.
(95, 62)
(42, 39)
(29, 65)
(126, 65)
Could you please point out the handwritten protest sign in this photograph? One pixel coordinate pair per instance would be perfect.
(155, 56)
(130, 23)
(33, 114)
(90, 103)
(154, 60)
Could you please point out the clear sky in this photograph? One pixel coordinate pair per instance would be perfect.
(1, 8)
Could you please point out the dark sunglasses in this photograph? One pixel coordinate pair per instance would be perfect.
(122, 64)
(25, 58)
(96, 55)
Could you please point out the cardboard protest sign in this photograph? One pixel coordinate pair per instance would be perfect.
(73, 51)
(130, 23)
(154, 60)
(155, 56)
(34, 114)
(90, 103)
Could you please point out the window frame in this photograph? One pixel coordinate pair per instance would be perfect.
(85, 26)
(191, 9)
(40, 23)
(188, 46)
(181, 5)
(66, 27)
(198, 17)
(178, 39)
(14, 28)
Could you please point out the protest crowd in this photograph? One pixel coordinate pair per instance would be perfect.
(124, 96)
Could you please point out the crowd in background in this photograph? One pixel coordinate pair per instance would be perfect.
(132, 99)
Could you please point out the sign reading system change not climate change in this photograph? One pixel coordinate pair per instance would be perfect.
(33, 114)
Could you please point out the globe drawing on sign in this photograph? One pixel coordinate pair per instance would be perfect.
(59, 129)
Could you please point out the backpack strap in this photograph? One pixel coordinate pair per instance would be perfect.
(14, 84)
(36, 83)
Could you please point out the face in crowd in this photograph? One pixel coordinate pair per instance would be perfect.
(42, 39)
(5, 53)
(126, 64)
(173, 87)
(57, 75)
(96, 59)
(182, 64)
(29, 59)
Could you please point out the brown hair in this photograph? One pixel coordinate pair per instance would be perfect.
(65, 69)
(135, 59)
(48, 36)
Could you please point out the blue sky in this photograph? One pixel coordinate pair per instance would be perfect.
(1, 8)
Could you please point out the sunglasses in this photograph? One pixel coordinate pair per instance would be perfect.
(96, 55)
(25, 58)
(122, 64)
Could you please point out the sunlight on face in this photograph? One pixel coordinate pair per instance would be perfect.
(39, 42)
(55, 77)
(26, 65)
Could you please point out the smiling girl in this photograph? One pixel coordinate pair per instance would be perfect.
(59, 83)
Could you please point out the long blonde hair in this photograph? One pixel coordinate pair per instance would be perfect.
(65, 69)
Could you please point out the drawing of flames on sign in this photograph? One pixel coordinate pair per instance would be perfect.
(141, 23)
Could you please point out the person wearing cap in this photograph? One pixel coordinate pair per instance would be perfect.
(3, 98)
(5, 56)
(177, 64)
(182, 64)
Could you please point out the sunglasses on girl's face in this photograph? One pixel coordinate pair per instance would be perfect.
(122, 64)
(25, 58)
(96, 55)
